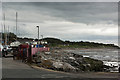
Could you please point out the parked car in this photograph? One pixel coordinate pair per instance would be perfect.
(6, 50)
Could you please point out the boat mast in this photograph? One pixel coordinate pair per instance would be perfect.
(1, 33)
(5, 35)
(8, 35)
(16, 25)
(1, 23)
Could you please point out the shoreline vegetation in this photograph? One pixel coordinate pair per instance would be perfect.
(57, 43)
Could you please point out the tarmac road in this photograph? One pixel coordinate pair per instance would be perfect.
(15, 70)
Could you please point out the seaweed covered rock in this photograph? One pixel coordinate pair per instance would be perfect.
(94, 65)
(84, 63)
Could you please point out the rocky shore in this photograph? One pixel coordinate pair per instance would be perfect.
(68, 62)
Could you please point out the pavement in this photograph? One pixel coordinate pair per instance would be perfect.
(16, 69)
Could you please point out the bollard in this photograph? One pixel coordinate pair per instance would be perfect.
(119, 69)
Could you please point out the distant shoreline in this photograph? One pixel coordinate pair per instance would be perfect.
(56, 48)
(55, 42)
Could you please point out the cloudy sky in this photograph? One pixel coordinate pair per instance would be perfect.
(75, 21)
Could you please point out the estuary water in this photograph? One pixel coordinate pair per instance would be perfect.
(109, 57)
(100, 54)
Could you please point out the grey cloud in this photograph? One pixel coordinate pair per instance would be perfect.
(61, 1)
(31, 14)
(77, 12)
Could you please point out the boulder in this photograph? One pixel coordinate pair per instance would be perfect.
(46, 63)
(77, 55)
(72, 58)
(64, 66)
(69, 68)
(58, 64)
